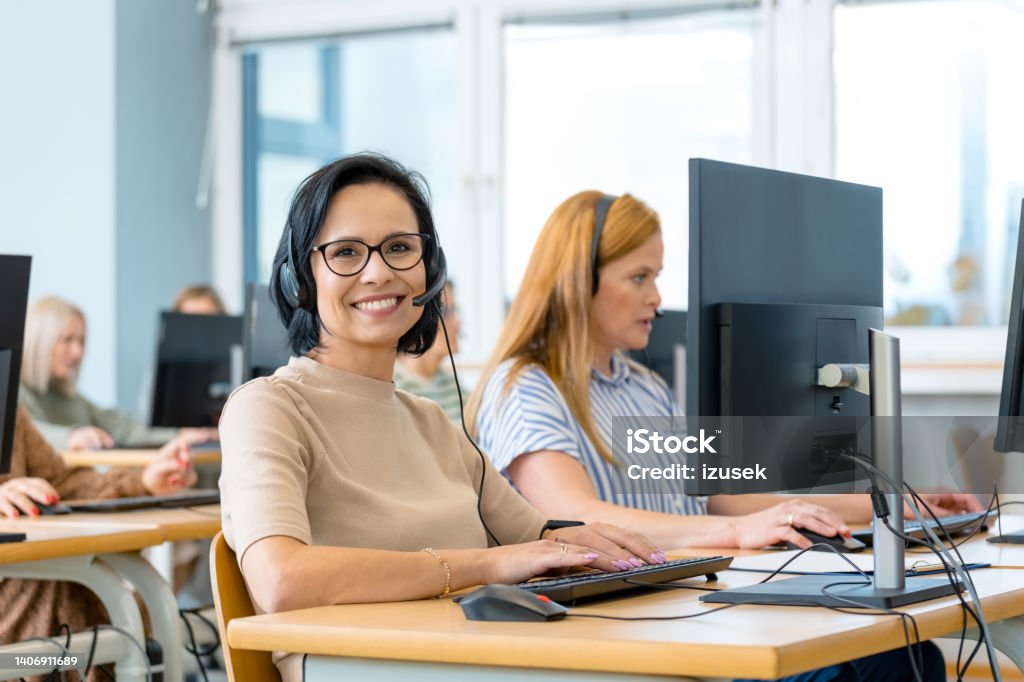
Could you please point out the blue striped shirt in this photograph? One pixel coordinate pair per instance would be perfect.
(532, 415)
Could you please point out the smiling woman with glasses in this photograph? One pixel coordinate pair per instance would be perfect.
(328, 470)
(348, 257)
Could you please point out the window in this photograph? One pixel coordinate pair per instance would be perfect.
(621, 106)
(308, 102)
(928, 106)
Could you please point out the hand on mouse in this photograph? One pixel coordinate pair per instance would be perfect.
(778, 525)
(21, 493)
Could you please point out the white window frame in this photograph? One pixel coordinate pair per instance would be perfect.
(793, 118)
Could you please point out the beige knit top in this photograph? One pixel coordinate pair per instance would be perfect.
(333, 458)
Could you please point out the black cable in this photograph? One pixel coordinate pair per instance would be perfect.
(883, 514)
(462, 418)
(992, 662)
(871, 470)
(197, 612)
(194, 649)
(92, 652)
(916, 658)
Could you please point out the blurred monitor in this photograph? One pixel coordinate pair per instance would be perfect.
(14, 272)
(1010, 425)
(265, 344)
(666, 352)
(198, 364)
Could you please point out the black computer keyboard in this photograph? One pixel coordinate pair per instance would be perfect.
(186, 498)
(595, 583)
(12, 537)
(953, 524)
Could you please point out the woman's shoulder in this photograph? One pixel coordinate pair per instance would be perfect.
(521, 382)
(258, 394)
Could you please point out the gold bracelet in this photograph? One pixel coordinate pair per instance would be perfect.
(447, 572)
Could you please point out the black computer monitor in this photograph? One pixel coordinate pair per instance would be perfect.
(14, 273)
(265, 343)
(1010, 425)
(666, 352)
(198, 364)
(785, 277)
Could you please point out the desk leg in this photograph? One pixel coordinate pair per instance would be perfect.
(108, 586)
(159, 599)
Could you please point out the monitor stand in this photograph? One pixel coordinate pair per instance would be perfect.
(1014, 538)
(889, 587)
(12, 537)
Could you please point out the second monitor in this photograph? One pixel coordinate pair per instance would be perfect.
(198, 365)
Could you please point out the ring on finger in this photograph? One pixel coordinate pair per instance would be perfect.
(565, 548)
(789, 521)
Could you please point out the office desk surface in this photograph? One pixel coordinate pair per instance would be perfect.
(130, 458)
(747, 641)
(175, 525)
(73, 538)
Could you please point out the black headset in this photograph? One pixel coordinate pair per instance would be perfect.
(600, 214)
(437, 274)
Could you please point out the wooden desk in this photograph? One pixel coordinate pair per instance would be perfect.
(78, 537)
(748, 641)
(87, 553)
(169, 525)
(174, 525)
(130, 458)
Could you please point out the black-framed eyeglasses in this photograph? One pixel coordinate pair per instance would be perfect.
(348, 257)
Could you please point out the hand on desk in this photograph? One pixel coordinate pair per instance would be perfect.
(946, 504)
(89, 438)
(778, 524)
(22, 493)
(171, 470)
(597, 545)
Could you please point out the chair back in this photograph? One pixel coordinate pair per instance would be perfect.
(232, 601)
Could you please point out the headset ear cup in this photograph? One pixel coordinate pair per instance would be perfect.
(438, 266)
(289, 285)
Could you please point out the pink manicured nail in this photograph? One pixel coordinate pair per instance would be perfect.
(636, 562)
(659, 557)
(622, 565)
(590, 556)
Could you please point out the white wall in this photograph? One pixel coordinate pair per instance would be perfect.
(103, 112)
(57, 161)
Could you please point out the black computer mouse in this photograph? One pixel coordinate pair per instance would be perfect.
(841, 544)
(508, 602)
(48, 509)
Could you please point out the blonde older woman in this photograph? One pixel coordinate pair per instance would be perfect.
(55, 335)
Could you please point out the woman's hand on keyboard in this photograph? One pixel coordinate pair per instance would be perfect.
(620, 549)
(171, 470)
(946, 504)
(596, 545)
